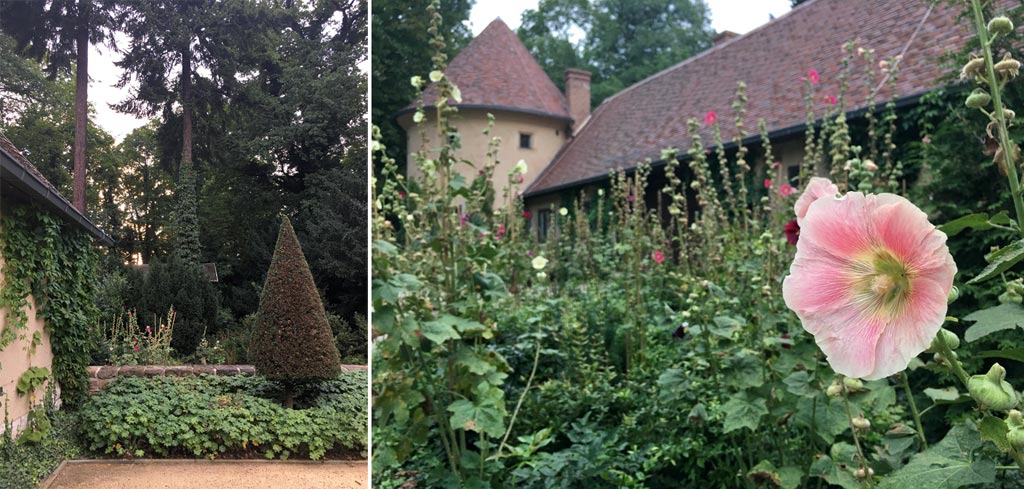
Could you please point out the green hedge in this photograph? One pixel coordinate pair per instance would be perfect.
(209, 416)
(24, 465)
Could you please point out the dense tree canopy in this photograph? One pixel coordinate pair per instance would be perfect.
(620, 41)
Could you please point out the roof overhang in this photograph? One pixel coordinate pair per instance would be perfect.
(749, 140)
(488, 108)
(13, 173)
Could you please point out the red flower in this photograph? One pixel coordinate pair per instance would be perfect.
(786, 190)
(136, 347)
(711, 118)
(659, 256)
(792, 232)
(785, 341)
(830, 99)
(527, 214)
(680, 331)
(767, 183)
(812, 75)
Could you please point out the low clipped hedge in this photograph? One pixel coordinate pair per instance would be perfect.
(211, 417)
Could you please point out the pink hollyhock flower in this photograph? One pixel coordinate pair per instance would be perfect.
(926, 140)
(527, 214)
(462, 219)
(767, 183)
(776, 164)
(136, 347)
(630, 198)
(817, 188)
(870, 281)
(148, 330)
(812, 75)
(786, 190)
(711, 118)
(521, 179)
(659, 256)
(830, 99)
(792, 231)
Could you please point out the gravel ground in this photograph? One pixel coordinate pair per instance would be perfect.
(192, 474)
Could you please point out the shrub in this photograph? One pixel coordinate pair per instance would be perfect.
(23, 465)
(292, 340)
(174, 283)
(349, 338)
(209, 417)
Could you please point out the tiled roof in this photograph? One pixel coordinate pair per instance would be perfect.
(638, 122)
(497, 71)
(8, 147)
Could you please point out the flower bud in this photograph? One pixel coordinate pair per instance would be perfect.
(870, 165)
(864, 473)
(834, 390)
(861, 423)
(991, 391)
(1010, 296)
(853, 384)
(973, 68)
(954, 294)
(1000, 25)
(416, 81)
(1015, 422)
(1007, 68)
(978, 99)
(951, 340)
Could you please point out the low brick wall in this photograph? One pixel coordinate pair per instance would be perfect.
(100, 376)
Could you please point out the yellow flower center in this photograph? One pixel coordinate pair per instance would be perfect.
(882, 281)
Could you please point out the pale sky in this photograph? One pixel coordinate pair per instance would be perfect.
(733, 15)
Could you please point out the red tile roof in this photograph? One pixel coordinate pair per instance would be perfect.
(638, 122)
(497, 71)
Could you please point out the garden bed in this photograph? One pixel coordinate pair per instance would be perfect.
(102, 375)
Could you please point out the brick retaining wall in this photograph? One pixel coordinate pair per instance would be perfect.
(100, 376)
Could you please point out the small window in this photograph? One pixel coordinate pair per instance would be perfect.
(543, 221)
(792, 173)
(525, 140)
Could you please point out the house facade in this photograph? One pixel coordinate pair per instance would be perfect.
(21, 184)
(639, 122)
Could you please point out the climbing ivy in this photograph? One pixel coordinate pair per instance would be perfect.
(47, 258)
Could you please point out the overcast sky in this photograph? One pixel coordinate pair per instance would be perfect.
(734, 15)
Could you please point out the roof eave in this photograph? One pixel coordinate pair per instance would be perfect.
(24, 180)
(488, 107)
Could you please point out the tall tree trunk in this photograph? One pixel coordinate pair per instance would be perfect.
(186, 104)
(81, 104)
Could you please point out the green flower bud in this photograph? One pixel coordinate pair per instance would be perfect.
(952, 340)
(1016, 286)
(978, 99)
(954, 294)
(991, 391)
(834, 390)
(853, 384)
(1010, 296)
(861, 423)
(1000, 25)
(1016, 424)
(864, 474)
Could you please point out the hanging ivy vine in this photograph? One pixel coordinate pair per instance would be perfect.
(55, 263)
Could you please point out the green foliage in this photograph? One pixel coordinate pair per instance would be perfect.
(187, 248)
(998, 318)
(292, 340)
(24, 465)
(623, 42)
(953, 462)
(349, 338)
(179, 285)
(32, 378)
(44, 257)
(211, 417)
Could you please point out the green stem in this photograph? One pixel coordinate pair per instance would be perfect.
(1004, 138)
(913, 409)
(856, 439)
(512, 421)
(954, 365)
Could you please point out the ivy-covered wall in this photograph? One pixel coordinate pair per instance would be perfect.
(48, 274)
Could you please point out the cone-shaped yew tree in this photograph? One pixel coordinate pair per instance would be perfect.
(292, 340)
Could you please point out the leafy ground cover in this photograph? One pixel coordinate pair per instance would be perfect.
(645, 341)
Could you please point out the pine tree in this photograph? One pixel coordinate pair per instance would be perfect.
(292, 340)
(186, 220)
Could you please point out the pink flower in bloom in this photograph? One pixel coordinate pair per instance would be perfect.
(812, 75)
(817, 188)
(767, 183)
(926, 140)
(786, 190)
(630, 197)
(830, 99)
(776, 164)
(462, 219)
(870, 281)
(148, 330)
(711, 118)
(521, 179)
(136, 347)
(659, 256)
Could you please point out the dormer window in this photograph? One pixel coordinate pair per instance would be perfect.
(525, 140)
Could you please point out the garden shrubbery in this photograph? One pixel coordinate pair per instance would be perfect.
(183, 286)
(212, 417)
(24, 465)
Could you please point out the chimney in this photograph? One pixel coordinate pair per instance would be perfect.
(722, 37)
(577, 92)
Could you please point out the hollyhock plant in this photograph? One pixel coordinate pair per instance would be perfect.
(786, 190)
(710, 118)
(870, 280)
(830, 99)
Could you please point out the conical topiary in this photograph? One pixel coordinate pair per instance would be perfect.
(292, 340)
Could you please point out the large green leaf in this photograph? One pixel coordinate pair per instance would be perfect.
(988, 321)
(486, 415)
(440, 330)
(744, 411)
(1000, 261)
(799, 383)
(951, 463)
(1009, 353)
(994, 430)
(978, 222)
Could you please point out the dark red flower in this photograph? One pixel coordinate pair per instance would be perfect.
(680, 331)
(792, 232)
(527, 214)
(785, 341)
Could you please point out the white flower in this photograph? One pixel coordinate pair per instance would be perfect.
(542, 275)
(539, 263)
(418, 117)
(563, 211)
(456, 94)
(600, 192)
(520, 168)
(416, 81)
(435, 76)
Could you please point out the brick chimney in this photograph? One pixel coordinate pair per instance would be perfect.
(577, 92)
(722, 37)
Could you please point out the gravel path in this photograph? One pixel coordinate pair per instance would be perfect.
(192, 474)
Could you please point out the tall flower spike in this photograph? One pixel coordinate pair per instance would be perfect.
(870, 280)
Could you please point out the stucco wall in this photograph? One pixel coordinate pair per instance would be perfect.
(16, 358)
(548, 135)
